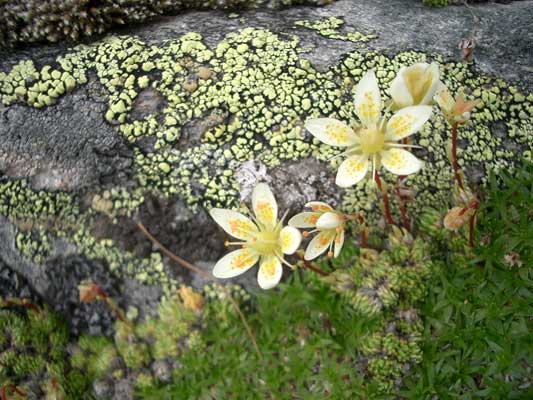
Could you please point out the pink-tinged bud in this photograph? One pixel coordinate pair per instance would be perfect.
(457, 217)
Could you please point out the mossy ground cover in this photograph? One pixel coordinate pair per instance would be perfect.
(477, 317)
(413, 319)
(472, 339)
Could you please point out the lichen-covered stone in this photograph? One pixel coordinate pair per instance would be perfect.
(160, 126)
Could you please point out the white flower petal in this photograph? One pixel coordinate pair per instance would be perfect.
(235, 263)
(400, 162)
(400, 92)
(367, 99)
(406, 122)
(264, 205)
(329, 220)
(319, 206)
(433, 74)
(339, 241)
(319, 244)
(332, 132)
(270, 272)
(304, 220)
(289, 239)
(352, 170)
(234, 223)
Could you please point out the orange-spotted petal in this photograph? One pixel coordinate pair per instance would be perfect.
(305, 220)
(319, 244)
(235, 263)
(339, 241)
(264, 205)
(234, 223)
(319, 206)
(270, 271)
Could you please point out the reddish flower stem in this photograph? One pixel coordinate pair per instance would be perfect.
(311, 266)
(386, 203)
(403, 212)
(454, 158)
(13, 388)
(111, 304)
(472, 205)
(24, 303)
(361, 220)
(471, 225)
(206, 275)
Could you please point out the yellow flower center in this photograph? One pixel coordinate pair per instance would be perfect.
(265, 242)
(371, 140)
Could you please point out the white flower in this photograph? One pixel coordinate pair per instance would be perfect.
(415, 85)
(375, 140)
(330, 225)
(265, 240)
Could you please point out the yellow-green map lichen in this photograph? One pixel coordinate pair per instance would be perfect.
(251, 95)
(329, 28)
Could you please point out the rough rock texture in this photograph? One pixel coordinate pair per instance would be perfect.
(85, 146)
(27, 21)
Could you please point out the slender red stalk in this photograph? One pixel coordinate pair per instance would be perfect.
(311, 266)
(472, 224)
(363, 229)
(23, 303)
(454, 158)
(386, 204)
(13, 388)
(110, 303)
(470, 206)
(403, 212)
(206, 275)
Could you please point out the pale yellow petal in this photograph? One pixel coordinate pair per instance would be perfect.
(400, 92)
(339, 242)
(289, 239)
(234, 223)
(330, 220)
(332, 132)
(400, 162)
(264, 205)
(433, 75)
(235, 263)
(270, 271)
(304, 220)
(406, 122)
(367, 99)
(319, 244)
(352, 170)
